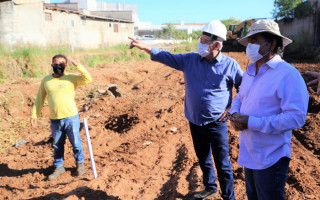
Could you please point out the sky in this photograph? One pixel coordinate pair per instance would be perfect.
(199, 11)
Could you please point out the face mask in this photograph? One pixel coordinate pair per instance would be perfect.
(252, 52)
(58, 68)
(203, 49)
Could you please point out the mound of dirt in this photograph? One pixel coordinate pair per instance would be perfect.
(140, 140)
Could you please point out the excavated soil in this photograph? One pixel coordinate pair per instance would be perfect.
(140, 140)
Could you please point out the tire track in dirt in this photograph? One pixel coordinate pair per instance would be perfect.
(169, 189)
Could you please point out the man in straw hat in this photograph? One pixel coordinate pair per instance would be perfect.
(272, 101)
(209, 78)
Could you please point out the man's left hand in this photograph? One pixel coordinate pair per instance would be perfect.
(240, 122)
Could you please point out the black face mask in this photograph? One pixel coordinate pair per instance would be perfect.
(58, 68)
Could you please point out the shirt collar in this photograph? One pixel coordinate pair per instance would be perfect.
(273, 63)
(218, 58)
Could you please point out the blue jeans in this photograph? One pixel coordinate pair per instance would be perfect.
(267, 183)
(213, 139)
(61, 128)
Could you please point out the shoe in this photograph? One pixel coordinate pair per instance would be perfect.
(57, 172)
(204, 194)
(80, 169)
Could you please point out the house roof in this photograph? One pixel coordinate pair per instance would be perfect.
(87, 16)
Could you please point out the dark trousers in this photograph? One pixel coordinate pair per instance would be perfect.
(267, 183)
(212, 140)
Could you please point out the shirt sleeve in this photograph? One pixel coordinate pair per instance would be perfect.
(175, 61)
(85, 76)
(293, 105)
(236, 104)
(237, 76)
(38, 104)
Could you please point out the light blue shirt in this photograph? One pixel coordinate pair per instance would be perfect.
(208, 85)
(276, 100)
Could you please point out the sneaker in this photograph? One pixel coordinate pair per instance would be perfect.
(204, 194)
(57, 172)
(80, 169)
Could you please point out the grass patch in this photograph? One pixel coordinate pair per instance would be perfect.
(186, 47)
(33, 62)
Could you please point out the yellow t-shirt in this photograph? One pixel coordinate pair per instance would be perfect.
(61, 94)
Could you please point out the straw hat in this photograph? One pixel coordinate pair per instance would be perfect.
(264, 25)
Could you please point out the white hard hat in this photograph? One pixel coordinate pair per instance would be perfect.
(215, 27)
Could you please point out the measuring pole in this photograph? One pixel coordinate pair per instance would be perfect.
(93, 166)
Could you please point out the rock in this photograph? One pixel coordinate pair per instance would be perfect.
(100, 91)
(147, 143)
(173, 129)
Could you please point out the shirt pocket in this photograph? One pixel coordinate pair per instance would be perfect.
(217, 81)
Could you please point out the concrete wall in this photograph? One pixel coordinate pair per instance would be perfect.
(86, 4)
(21, 22)
(68, 6)
(126, 15)
(104, 6)
(71, 30)
(303, 30)
(31, 24)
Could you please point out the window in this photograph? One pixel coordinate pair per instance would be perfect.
(48, 16)
(115, 28)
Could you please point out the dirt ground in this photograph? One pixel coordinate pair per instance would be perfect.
(137, 151)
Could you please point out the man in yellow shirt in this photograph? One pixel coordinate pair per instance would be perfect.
(59, 88)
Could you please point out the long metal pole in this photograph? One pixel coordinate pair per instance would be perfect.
(93, 166)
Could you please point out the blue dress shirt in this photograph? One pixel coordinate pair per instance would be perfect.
(208, 85)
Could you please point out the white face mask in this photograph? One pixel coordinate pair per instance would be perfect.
(203, 49)
(252, 52)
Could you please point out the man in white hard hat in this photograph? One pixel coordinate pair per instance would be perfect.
(266, 110)
(209, 78)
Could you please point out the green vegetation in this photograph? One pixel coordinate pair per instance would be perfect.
(230, 21)
(186, 47)
(293, 8)
(171, 32)
(196, 35)
(117, 54)
(32, 62)
(305, 8)
(285, 8)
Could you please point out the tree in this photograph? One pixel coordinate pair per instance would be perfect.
(285, 8)
(305, 8)
(168, 30)
(171, 31)
(231, 20)
(196, 34)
